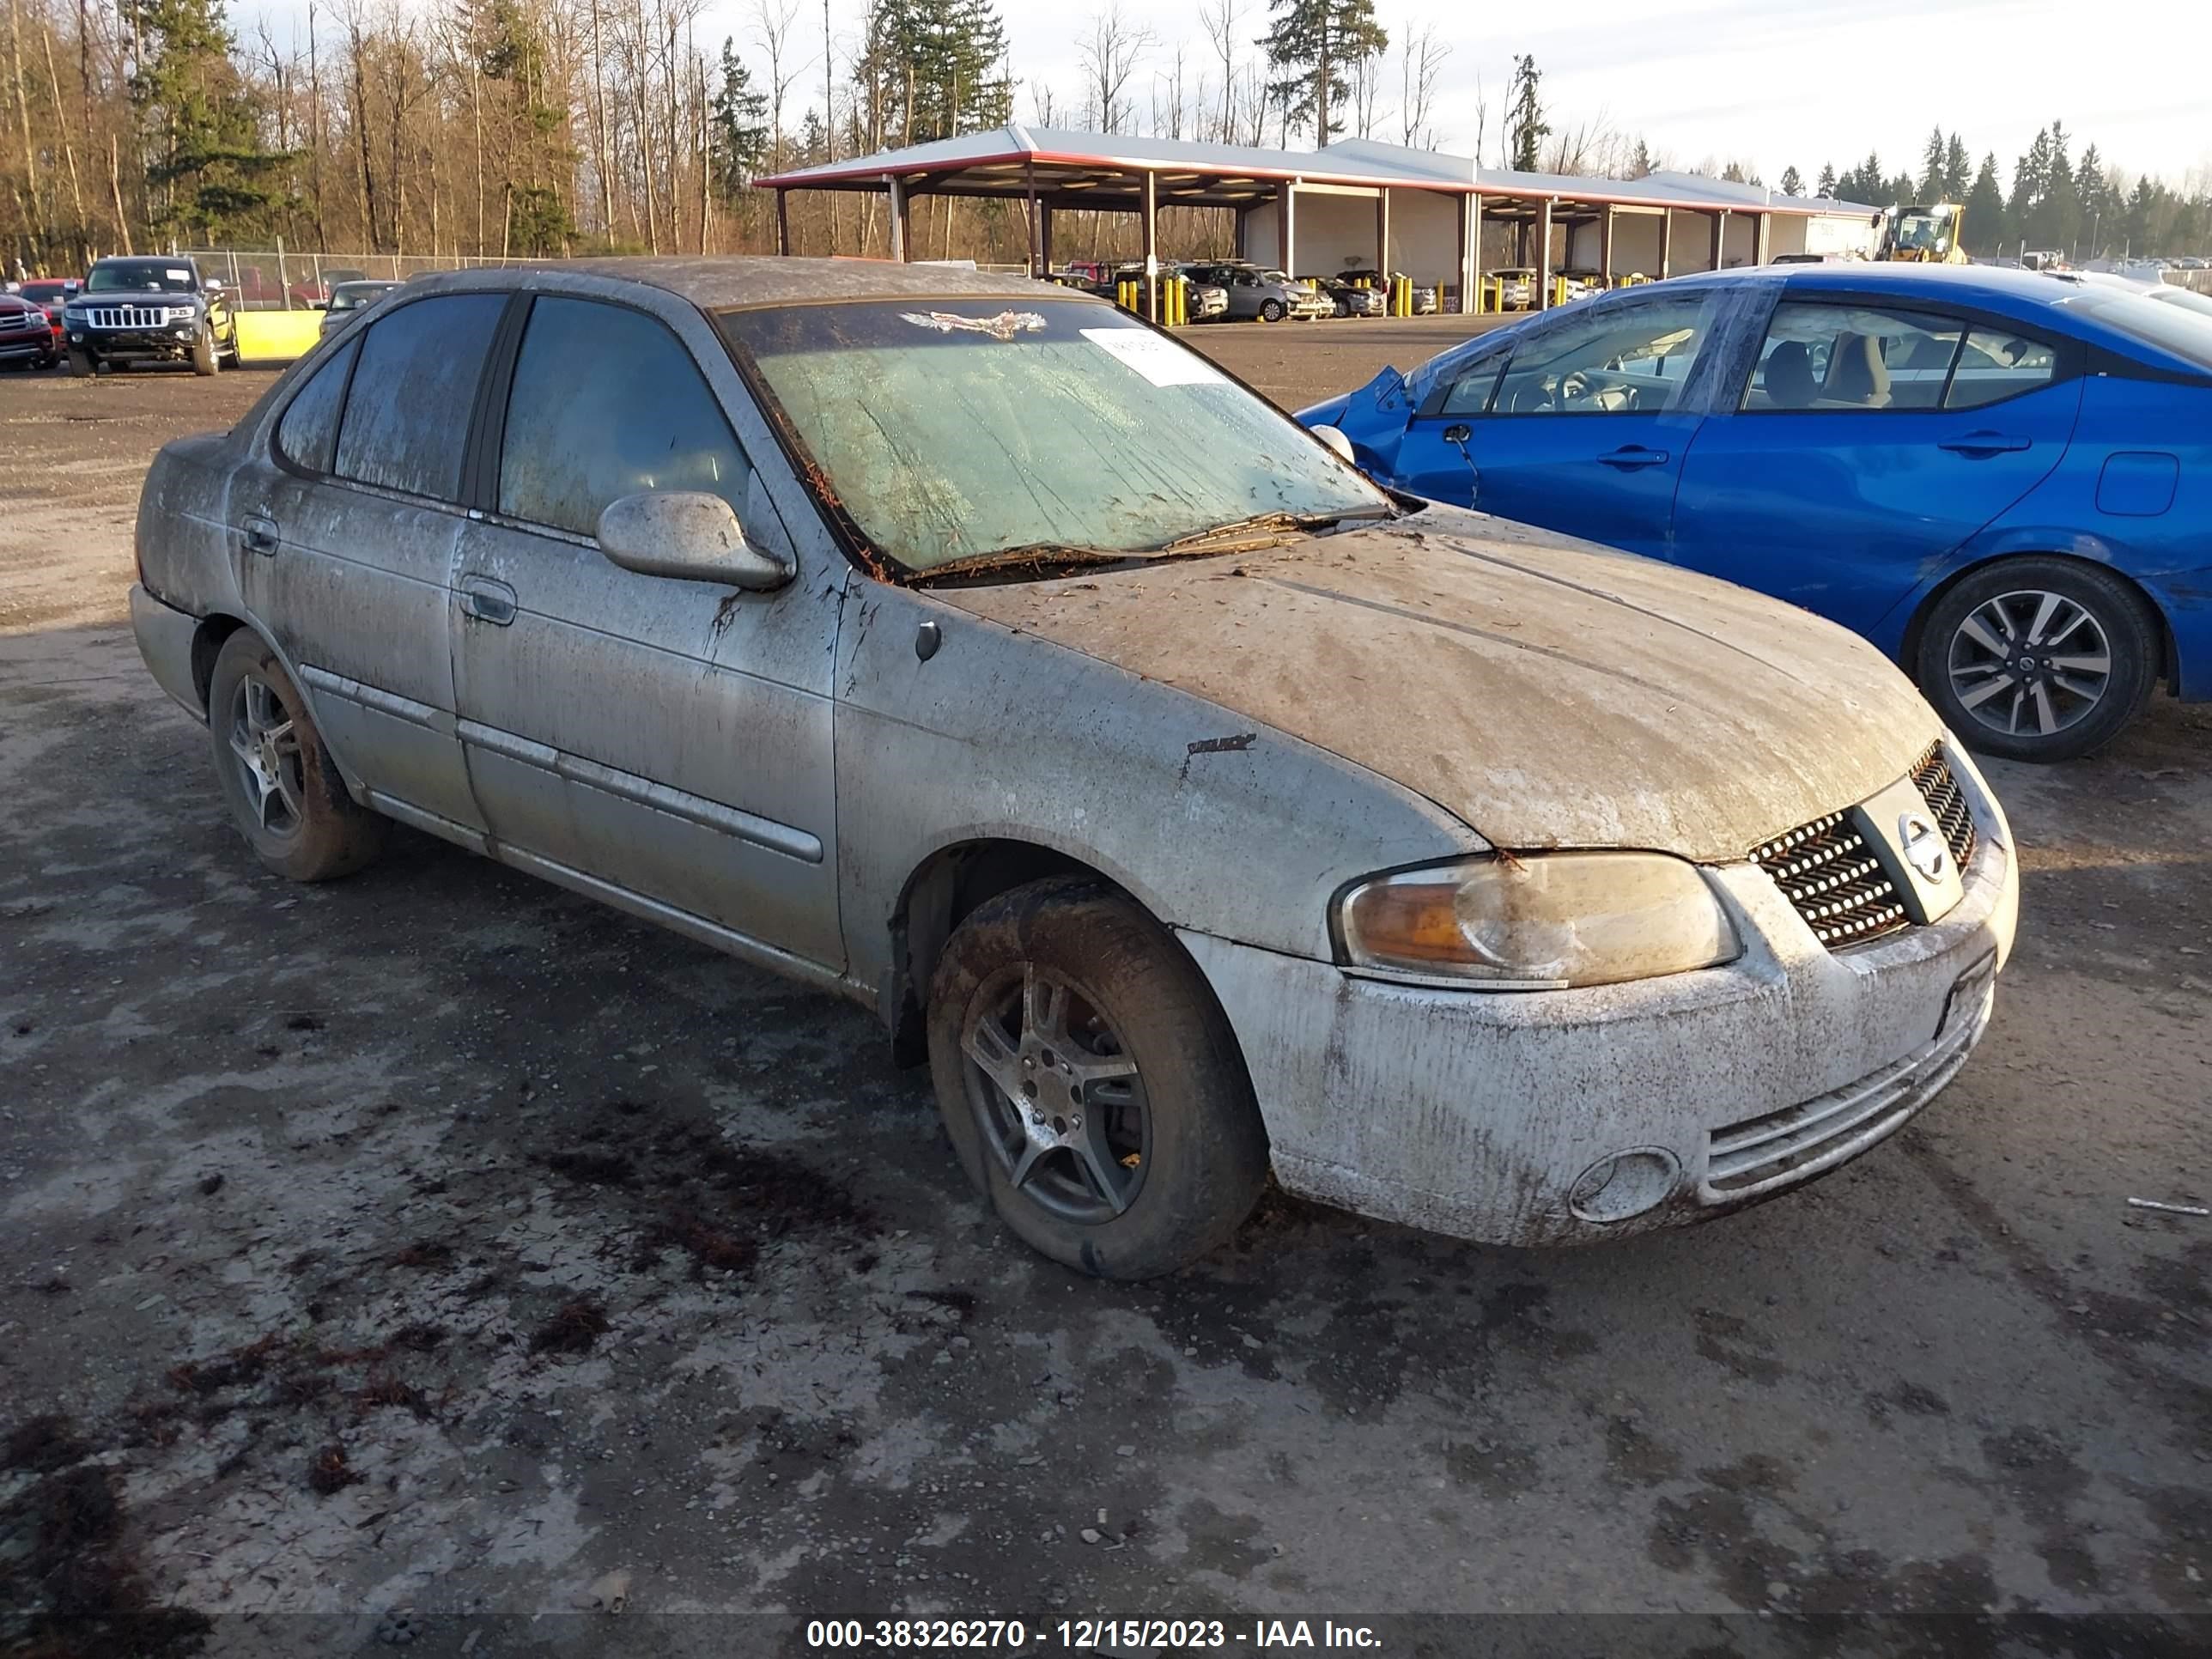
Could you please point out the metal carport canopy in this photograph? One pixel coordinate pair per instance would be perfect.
(1055, 167)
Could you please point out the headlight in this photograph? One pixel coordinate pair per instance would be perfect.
(1545, 921)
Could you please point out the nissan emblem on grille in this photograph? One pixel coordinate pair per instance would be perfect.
(1923, 846)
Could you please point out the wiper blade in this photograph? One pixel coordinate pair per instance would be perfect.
(1033, 556)
(1260, 524)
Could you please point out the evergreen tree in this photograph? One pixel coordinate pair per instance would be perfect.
(1931, 167)
(1826, 183)
(1984, 205)
(198, 122)
(737, 129)
(1640, 164)
(1958, 171)
(1525, 117)
(930, 70)
(2095, 204)
(1791, 184)
(2060, 209)
(1312, 48)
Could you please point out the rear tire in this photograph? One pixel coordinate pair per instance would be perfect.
(1082, 1003)
(276, 773)
(2039, 659)
(1271, 311)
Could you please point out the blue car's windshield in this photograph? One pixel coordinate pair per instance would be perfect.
(2182, 331)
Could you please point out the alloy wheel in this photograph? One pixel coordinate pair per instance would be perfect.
(2030, 663)
(1057, 1097)
(266, 746)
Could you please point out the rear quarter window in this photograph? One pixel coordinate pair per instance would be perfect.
(307, 434)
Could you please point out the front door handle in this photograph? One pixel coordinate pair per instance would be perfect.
(259, 533)
(488, 600)
(1984, 443)
(1629, 457)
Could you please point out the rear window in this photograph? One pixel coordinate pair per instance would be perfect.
(2181, 330)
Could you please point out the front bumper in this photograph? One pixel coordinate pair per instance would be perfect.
(16, 347)
(1560, 1116)
(163, 342)
(165, 637)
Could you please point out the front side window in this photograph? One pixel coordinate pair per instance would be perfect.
(950, 430)
(607, 403)
(307, 436)
(1469, 390)
(1832, 358)
(1622, 359)
(407, 415)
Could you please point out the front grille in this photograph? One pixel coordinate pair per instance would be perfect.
(1828, 872)
(1826, 869)
(132, 316)
(1776, 1149)
(1932, 777)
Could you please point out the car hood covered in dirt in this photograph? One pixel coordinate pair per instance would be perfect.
(1546, 692)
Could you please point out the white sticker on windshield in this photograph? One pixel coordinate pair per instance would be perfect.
(1159, 359)
(177, 274)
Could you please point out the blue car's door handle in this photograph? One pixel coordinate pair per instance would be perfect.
(1629, 457)
(1984, 443)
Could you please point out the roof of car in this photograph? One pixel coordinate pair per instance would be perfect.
(751, 280)
(1961, 283)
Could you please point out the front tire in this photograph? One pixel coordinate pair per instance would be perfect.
(1090, 1084)
(277, 775)
(2039, 659)
(207, 356)
(80, 363)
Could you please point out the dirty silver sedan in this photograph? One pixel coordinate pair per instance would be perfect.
(1194, 807)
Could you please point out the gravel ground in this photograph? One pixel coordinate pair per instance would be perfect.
(423, 1258)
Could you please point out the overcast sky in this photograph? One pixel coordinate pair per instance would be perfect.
(1769, 82)
(1774, 84)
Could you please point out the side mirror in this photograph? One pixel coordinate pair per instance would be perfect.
(1336, 443)
(689, 536)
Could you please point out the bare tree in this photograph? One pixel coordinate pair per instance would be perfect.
(1170, 99)
(1110, 54)
(1220, 21)
(1421, 65)
(773, 22)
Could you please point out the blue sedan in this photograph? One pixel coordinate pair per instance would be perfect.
(2002, 479)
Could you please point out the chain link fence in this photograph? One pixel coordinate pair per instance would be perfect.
(277, 280)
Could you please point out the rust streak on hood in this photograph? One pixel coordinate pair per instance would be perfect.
(1546, 692)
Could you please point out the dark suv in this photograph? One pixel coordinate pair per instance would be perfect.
(155, 310)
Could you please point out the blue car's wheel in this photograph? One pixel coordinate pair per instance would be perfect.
(2039, 659)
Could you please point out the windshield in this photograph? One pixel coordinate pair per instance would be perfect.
(1924, 230)
(138, 276)
(2182, 331)
(952, 429)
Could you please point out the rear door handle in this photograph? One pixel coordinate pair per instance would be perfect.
(259, 534)
(1984, 443)
(488, 600)
(1629, 457)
